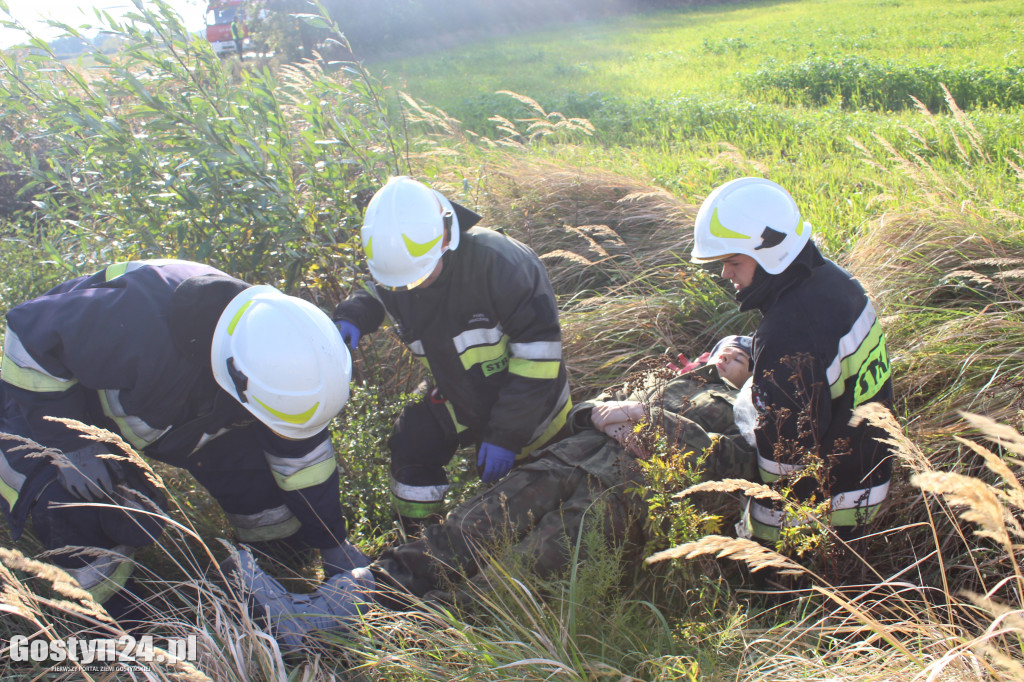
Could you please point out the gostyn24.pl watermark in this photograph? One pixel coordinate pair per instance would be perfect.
(124, 650)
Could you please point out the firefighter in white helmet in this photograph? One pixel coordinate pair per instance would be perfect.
(233, 382)
(819, 352)
(477, 308)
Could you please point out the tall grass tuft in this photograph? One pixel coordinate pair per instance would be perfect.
(948, 275)
(617, 252)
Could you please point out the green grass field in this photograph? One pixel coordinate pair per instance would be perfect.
(704, 51)
(674, 95)
(171, 152)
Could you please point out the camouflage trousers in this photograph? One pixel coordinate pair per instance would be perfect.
(535, 515)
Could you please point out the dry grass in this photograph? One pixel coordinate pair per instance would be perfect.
(898, 625)
(617, 253)
(948, 277)
(593, 213)
(755, 555)
(943, 594)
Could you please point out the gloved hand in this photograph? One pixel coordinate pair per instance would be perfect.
(332, 606)
(89, 477)
(344, 557)
(349, 333)
(494, 461)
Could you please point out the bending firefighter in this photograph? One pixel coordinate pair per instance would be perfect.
(477, 309)
(233, 382)
(819, 353)
(590, 479)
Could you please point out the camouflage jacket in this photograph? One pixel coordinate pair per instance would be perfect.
(539, 508)
(692, 412)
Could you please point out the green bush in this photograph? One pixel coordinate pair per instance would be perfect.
(889, 86)
(165, 150)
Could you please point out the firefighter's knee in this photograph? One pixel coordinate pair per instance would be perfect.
(136, 521)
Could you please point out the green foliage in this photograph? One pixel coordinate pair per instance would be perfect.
(888, 86)
(725, 45)
(360, 439)
(167, 151)
(404, 26)
(673, 521)
(276, 157)
(25, 275)
(668, 102)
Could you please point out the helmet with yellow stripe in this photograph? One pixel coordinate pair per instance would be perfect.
(283, 359)
(406, 229)
(750, 216)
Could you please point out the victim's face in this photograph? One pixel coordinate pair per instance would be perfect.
(733, 365)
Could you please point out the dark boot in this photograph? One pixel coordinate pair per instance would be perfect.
(290, 553)
(412, 527)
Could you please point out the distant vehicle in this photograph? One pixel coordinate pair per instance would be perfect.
(219, 15)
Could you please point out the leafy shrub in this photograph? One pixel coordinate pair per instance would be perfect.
(889, 86)
(724, 45)
(165, 151)
(361, 443)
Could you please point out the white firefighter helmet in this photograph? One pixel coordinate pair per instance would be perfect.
(404, 232)
(750, 216)
(283, 359)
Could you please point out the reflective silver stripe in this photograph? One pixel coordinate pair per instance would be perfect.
(477, 337)
(777, 468)
(850, 342)
(267, 517)
(10, 481)
(418, 493)
(537, 350)
(207, 437)
(417, 348)
(15, 350)
(769, 516)
(105, 575)
(856, 498)
(852, 499)
(285, 467)
(134, 429)
(563, 398)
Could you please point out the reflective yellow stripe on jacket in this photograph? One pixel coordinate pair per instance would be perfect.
(536, 360)
(304, 472)
(851, 508)
(862, 355)
(20, 369)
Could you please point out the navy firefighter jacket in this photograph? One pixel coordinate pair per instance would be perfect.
(127, 349)
(819, 353)
(488, 332)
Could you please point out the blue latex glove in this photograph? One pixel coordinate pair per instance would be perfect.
(344, 557)
(349, 333)
(494, 461)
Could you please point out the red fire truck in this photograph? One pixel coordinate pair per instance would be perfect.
(219, 15)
